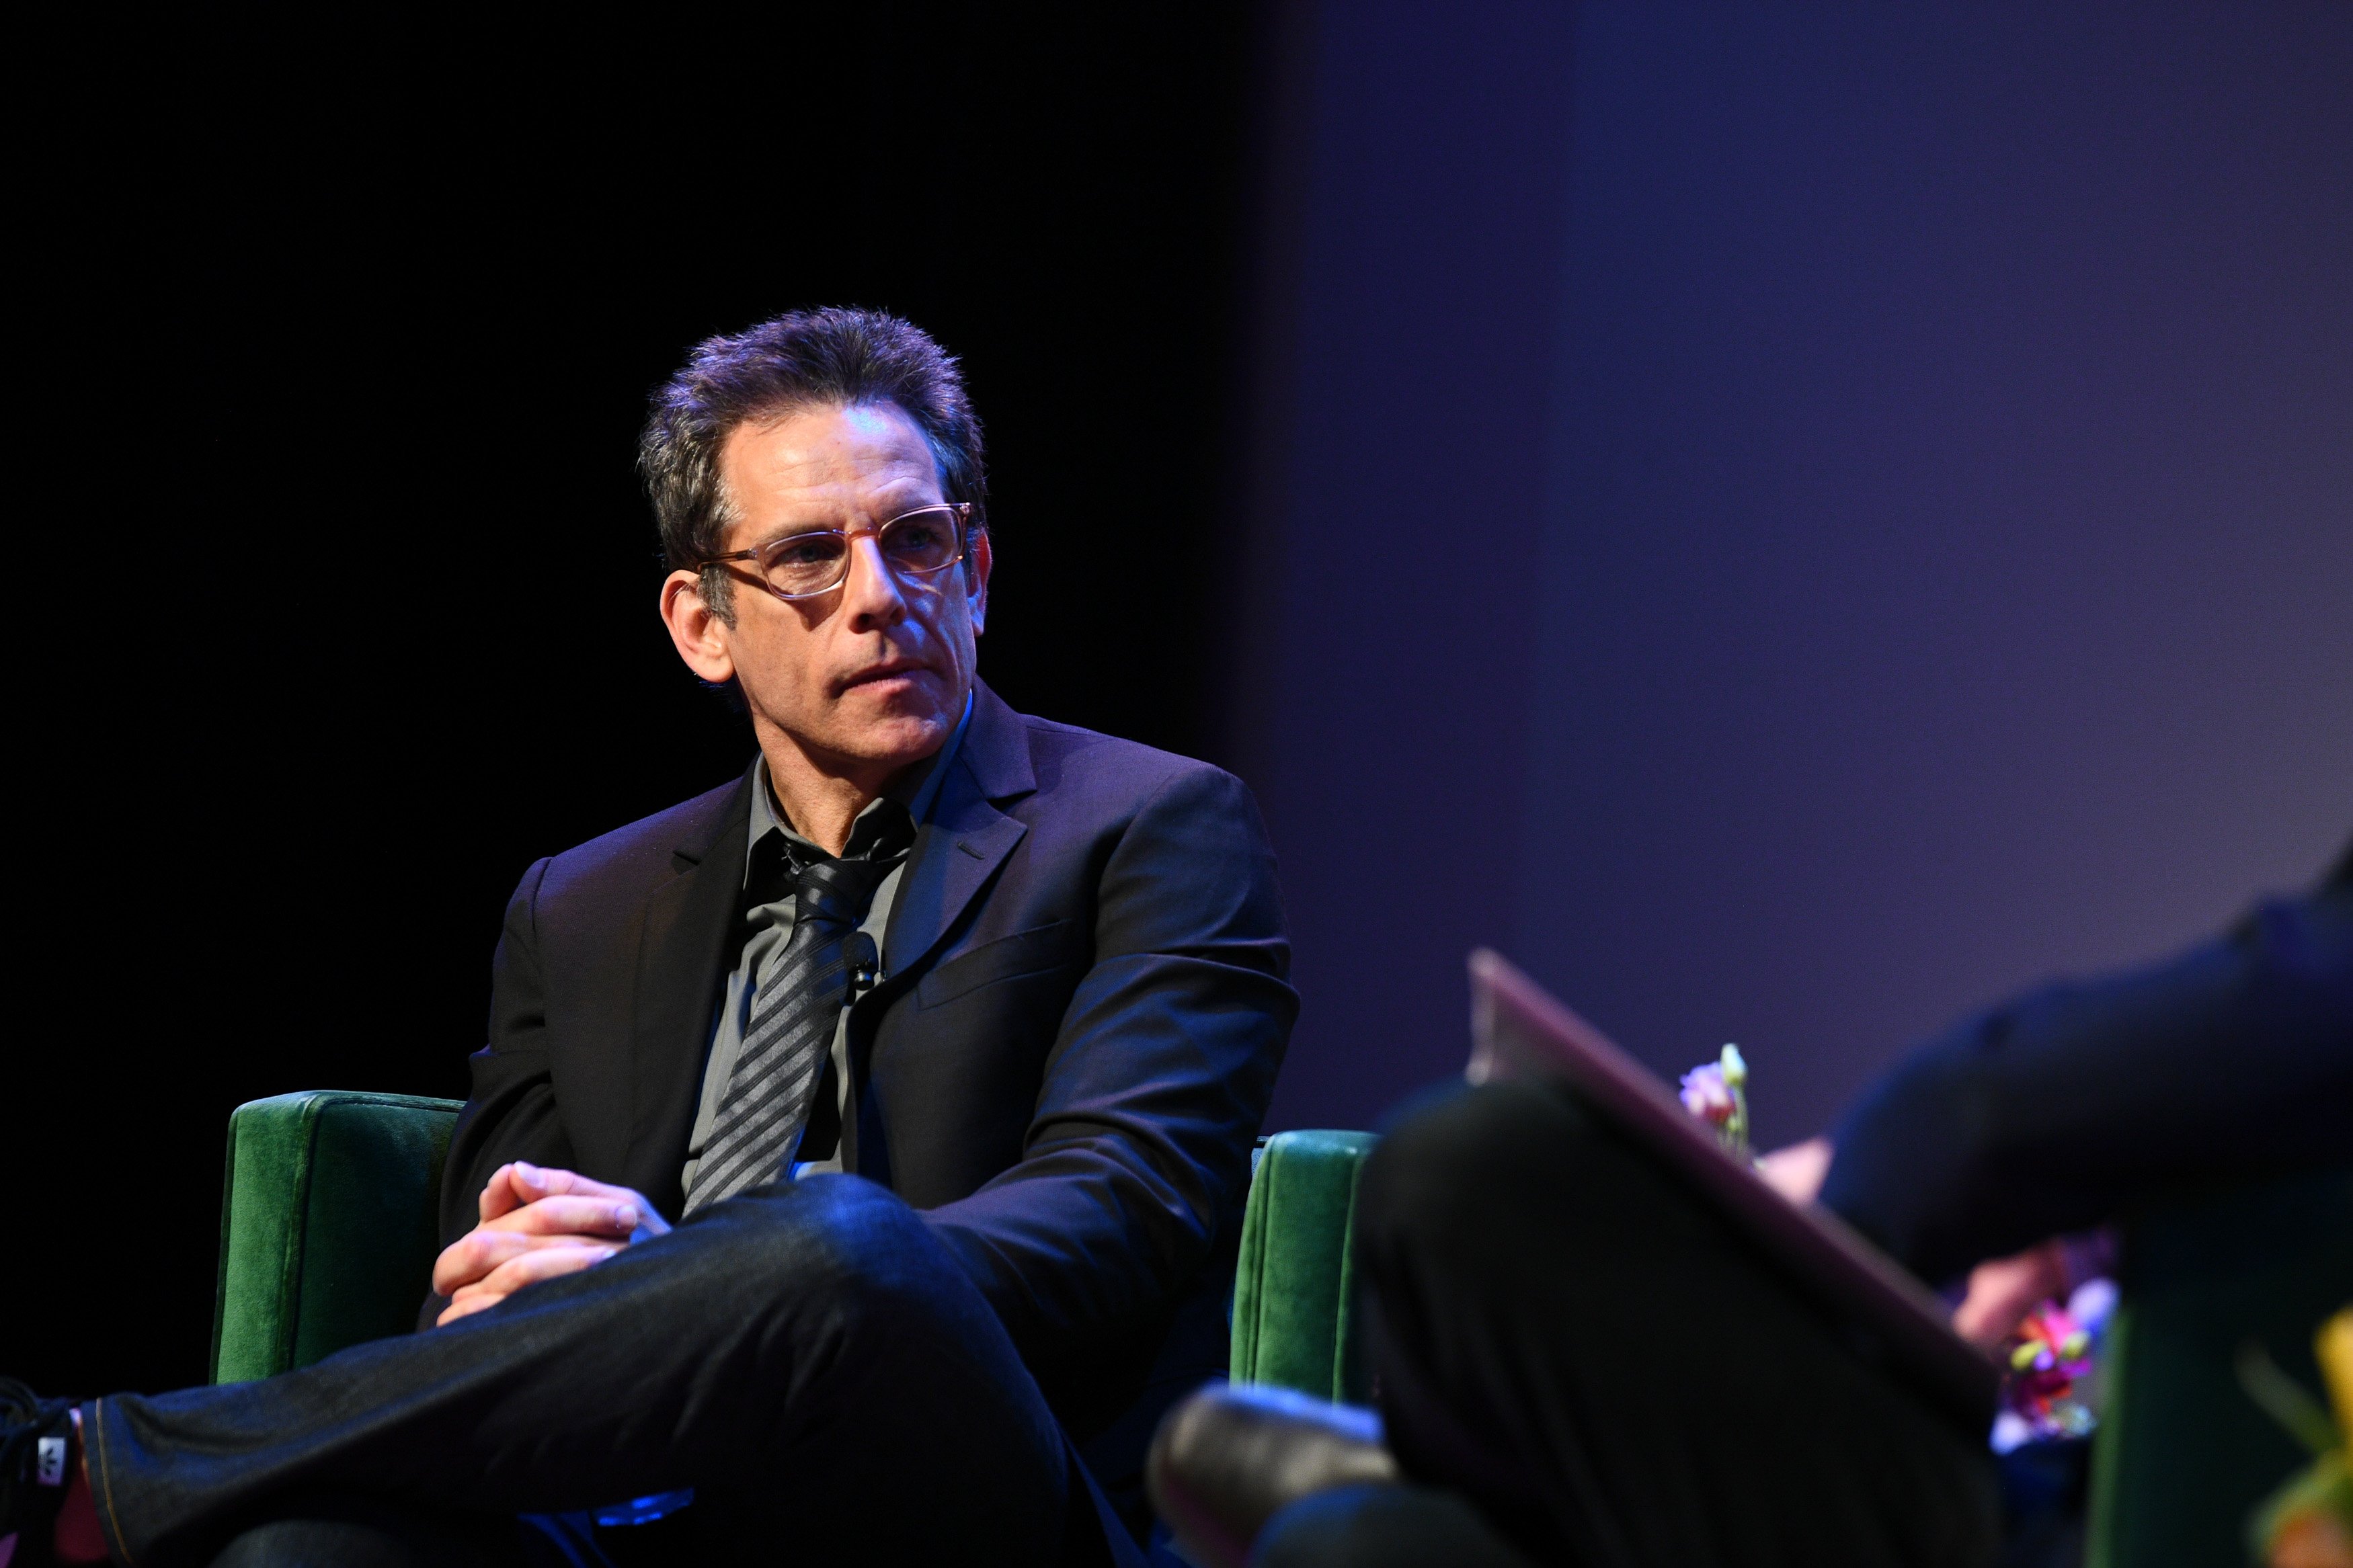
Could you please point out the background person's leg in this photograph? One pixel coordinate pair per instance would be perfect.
(806, 1358)
(1382, 1526)
(1563, 1333)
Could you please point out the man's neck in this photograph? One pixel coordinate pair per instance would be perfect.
(821, 800)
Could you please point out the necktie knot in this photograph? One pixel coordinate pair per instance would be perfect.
(836, 893)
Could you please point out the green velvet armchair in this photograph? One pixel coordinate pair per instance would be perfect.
(329, 1226)
(328, 1230)
(328, 1235)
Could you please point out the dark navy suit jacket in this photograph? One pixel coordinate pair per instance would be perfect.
(2067, 1107)
(1064, 1065)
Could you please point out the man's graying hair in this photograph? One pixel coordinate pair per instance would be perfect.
(832, 357)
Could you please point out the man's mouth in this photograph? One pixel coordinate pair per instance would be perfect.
(890, 669)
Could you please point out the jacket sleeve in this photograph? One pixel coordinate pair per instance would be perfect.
(2058, 1111)
(511, 1112)
(1154, 1088)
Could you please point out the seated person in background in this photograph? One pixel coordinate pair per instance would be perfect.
(861, 1145)
(1580, 1363)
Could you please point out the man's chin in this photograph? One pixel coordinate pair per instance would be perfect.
(918, 696)
(893, 721)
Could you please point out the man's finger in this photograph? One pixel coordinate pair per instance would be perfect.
(520, 1183)
(537, 1183)
(473, 1254)
(462, 1263)
(499, 1196)
(454, 1268)
(547, 1181)
(465, 1304)
(543, 1260)
(573, 1216)
(545, 1263)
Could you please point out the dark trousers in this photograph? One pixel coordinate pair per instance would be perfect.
(806, 1358)
(1567, 1340)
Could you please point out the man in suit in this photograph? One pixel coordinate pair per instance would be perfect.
(861, 1145)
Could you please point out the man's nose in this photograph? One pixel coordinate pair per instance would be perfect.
(871, 593)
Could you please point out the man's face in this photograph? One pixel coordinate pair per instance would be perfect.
(872, 676)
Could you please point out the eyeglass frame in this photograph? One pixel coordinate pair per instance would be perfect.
(960, 510)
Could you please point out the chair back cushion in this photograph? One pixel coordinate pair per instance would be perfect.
(1294, 1288)
(328, 1225)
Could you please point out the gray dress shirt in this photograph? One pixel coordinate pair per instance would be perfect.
(768, 929)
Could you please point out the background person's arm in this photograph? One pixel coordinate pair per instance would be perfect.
(2057, 1112)
(2001, 1290)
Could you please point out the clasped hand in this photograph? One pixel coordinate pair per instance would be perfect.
(2001, 1290)
(537, 1223)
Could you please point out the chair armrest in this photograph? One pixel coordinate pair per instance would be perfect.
(327, 1226)
(1294, 1288)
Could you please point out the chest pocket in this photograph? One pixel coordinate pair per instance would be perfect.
(1040, 950)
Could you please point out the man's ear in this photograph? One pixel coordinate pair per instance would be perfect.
(980, 558)
(695, 628)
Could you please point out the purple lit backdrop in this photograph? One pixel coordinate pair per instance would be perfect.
(1793, 523)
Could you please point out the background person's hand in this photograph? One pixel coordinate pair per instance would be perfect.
(2002, 1291)
(537, 1223)
(1797, 1172)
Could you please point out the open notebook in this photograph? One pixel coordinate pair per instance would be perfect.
(1520, 1032)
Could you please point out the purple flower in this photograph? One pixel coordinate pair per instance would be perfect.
(2048, 1353)
(1707, 1096)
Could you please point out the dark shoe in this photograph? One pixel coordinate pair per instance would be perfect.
(36, 1467)
(1229, 1458)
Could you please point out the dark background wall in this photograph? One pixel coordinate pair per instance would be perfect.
(1795, 521)
(343, 585)
(1791, 522)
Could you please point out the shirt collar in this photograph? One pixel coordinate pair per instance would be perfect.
(918, 792)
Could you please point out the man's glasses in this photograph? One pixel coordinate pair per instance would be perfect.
(918, 543)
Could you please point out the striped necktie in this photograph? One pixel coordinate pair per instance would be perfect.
(793, 1017)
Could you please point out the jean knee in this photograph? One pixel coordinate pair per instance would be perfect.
(844, 1239)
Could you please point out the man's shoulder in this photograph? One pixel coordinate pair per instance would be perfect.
(650, 849)
(1067, 759)
(1093, 787)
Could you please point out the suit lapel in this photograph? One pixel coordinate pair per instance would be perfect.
(956, 851)
(681, 952)
(966, 838)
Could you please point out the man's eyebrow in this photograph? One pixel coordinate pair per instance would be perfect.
(794, 529)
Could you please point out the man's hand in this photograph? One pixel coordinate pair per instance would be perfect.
(537, 1223)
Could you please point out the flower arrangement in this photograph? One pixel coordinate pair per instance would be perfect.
(2308, 1522)
(2047, 1359)
(1717, 1093)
